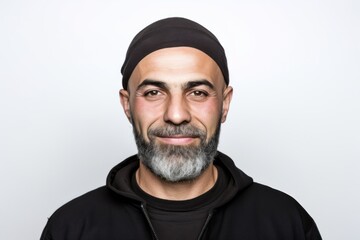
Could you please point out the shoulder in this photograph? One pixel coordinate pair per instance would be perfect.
(85, 202)
(264, 205)
(95, 209)
(267, 200)
(81, 206)
(261, 193)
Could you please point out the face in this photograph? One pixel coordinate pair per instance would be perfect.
(176, 101)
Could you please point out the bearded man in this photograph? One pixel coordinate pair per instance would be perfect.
(176, 95)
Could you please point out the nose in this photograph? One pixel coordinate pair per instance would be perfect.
(177, 111)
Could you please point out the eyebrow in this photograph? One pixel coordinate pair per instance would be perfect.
(151, 82)
(196, 83)
(187, 85)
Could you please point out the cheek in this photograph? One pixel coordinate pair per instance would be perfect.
(208, 114)
(144, 114)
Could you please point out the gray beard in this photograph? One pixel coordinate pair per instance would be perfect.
(174, 163)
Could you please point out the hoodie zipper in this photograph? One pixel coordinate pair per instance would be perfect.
(143, 208)
(206, 223)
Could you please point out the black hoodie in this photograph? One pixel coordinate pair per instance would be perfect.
(248, 211)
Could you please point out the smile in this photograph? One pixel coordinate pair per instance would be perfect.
(177, 140)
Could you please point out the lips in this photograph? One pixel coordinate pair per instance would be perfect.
(177, 135)
(177, 139)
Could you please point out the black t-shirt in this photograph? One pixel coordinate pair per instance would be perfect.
(179, 220)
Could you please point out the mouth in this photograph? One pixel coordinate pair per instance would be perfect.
(177, 139)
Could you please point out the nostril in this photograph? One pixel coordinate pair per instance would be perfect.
(177, 123)
(177, 112)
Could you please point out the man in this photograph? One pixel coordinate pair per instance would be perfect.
(176, 95)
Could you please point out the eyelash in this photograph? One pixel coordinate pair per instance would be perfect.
(151, 93)
(194, 93)
(198, 93)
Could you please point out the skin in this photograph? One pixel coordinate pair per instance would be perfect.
(179, 85)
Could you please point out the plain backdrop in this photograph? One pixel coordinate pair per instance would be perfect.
(293, 122)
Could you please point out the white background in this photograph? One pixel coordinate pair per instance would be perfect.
(293, 124)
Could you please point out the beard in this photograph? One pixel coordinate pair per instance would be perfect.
(177, 163)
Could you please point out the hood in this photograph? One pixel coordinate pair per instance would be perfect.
(119, 177)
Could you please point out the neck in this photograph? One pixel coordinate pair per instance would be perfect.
(157, 187)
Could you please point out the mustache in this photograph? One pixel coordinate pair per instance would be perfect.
(173, 130)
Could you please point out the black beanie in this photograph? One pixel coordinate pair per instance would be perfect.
(173, 32)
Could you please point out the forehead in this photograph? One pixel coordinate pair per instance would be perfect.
(177, 65)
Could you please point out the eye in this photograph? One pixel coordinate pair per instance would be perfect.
(198, 93)
(152, 93)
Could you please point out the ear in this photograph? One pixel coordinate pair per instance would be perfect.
(226, 103)
(125, 102)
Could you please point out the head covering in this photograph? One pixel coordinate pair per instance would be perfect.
(173, 32)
